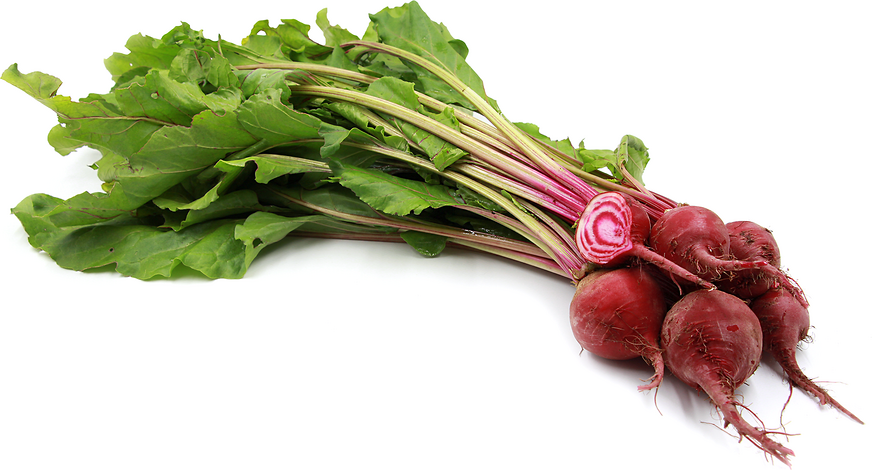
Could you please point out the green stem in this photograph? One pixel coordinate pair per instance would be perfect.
(517, 170)
(515, 135)
(252, 149)
(318, 69)
(470, 126)
(484, 175)
(538, 262)
(406, 224)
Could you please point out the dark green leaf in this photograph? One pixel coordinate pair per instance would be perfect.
(426, 244)
(138, 250)
(171, 156)
(271, 166)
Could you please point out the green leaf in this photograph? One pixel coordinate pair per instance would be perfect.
(333, 35)
(441, 152)
(409, 28)
(271, 166)
(424, 243)
(335, 136)
(136, 249)
(168, 158)
(59, 138)
(267, 117)
(394, 195)
(262, 229)
(36, 84)
(94, 123)
(198, 65)
(265, 45)
(564, 145)
(260, 80)
(403, 93)
(145, 52)
(396, 91)
(293, 38)
(159, 97)
(632, 155)
(472, 198)
(234, 203)
(597, 159)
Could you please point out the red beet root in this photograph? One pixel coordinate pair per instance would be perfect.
(712, 341)
(785, 322)
(696, 239)
(617, 314)
(752, 242)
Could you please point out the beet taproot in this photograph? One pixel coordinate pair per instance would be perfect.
(785, 323)
(712, 341)
(617, 314)
(696, 239)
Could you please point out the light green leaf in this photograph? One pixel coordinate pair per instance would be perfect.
(564, 145)
(256, 81)
(333, 35)
(597, 159)
(632, 155)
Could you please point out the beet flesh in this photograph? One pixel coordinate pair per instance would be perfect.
(712, 341)
(617, 314)
(609, 227)
(614, 228)
(785, 323)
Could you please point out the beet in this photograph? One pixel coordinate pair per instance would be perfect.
(696, 239)
(617, 314)
(785, 323)
(712, 341)
(752, 242)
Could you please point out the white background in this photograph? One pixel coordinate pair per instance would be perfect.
(337, 354)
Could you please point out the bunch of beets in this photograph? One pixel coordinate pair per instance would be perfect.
(708, 299)
(211, 151)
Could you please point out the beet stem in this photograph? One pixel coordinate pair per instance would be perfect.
(652, 257)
